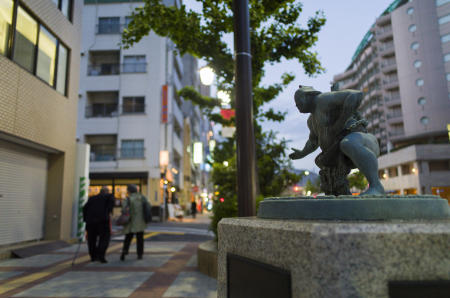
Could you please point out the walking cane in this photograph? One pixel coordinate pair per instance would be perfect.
(80, 240)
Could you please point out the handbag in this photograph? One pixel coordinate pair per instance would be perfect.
(147, 210)
(124, 217)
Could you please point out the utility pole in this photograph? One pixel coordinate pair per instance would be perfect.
(246, 169)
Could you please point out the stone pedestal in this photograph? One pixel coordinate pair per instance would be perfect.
(339, 259)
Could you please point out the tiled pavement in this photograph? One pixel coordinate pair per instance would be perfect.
(167, 270)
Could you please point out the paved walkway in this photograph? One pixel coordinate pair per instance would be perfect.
(168, 269)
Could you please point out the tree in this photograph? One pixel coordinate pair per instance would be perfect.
(275, 35)
(313, 187)
(357, 180)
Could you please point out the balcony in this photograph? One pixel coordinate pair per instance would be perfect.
(103, 63)
(394, 117)
(103, 152)
(393, 100)
(384, 33)
(132, 153)
(390, 84)
(104, 69)
(101, 110)
(387, 50)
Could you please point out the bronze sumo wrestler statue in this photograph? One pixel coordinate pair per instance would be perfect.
(339, 130)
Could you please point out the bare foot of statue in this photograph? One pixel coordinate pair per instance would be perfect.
(374, 190)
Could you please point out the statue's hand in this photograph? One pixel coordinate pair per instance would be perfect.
(297, 154)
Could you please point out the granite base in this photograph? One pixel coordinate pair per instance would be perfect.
(339, 259)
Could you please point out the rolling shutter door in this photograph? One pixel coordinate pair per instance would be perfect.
(23, 179)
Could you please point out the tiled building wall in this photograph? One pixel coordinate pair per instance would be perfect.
(33, 111)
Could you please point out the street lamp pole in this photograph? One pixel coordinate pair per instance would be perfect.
(246, 170)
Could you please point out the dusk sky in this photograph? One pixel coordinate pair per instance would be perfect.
(347, 22)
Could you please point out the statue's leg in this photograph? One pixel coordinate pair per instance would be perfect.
(363, 149)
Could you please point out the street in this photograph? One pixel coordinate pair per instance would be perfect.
(168, 269)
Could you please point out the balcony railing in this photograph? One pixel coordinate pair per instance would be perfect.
(394, 115)
(134, 108)
(103, 153)
(396, 133)
(132, 153)
(104, 69)
(101, 110)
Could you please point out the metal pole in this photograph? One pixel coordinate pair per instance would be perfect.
(246, 171)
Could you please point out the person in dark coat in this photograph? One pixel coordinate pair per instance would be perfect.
(96, 214)
(193, 208)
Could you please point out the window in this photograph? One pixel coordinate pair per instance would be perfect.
(35, 48)
(439, 165)
(444, 19)
(410, 11)
(132, 64)
(26, 37)
(447, 57)
(61, 80)
(393, 172)
(109, 25)
(6, 12)
(422, 101)
(445, 38)
(415, 45)
(133, 105)
(132, 149)
(412, 28)
(441, 2)
(417, 63)
(46, 57)
(128, 21)
(424, 120)
(419, 82)
(65, 6)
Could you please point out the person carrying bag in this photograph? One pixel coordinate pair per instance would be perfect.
(139, 210)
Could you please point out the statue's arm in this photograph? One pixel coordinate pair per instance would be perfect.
(311, 145)
(350, 101)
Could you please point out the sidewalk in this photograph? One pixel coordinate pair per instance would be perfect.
(169, 269)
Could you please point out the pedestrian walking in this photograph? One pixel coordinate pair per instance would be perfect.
(193, 208)
(138, 208)
(96, 214)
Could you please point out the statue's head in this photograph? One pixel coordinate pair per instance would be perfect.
(304, 98)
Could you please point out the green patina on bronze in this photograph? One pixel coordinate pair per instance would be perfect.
(339, 130)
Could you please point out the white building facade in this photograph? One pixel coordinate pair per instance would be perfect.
(129, 111)
(403, 66)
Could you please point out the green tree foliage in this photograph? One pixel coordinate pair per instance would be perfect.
(313, 187)
(357, 180)
(276, 35)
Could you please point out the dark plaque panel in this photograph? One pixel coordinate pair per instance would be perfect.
(419, 289)
(248, 278)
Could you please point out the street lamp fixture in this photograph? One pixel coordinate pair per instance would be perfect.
(173, 189)
(206, 75)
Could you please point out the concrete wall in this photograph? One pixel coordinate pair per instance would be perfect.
(32, 111)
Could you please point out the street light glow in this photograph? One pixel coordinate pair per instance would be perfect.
(206, 75)
(306, 173)
(225, 163)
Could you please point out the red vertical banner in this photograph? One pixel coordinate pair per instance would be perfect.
(164, 107)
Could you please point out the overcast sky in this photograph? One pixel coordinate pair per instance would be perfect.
(347, 22)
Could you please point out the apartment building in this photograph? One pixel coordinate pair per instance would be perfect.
(129, 111)
(403, 66)
(39, 55)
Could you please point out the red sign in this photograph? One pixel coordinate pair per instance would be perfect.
(195, 188)
(227, 113)
(165, 107)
